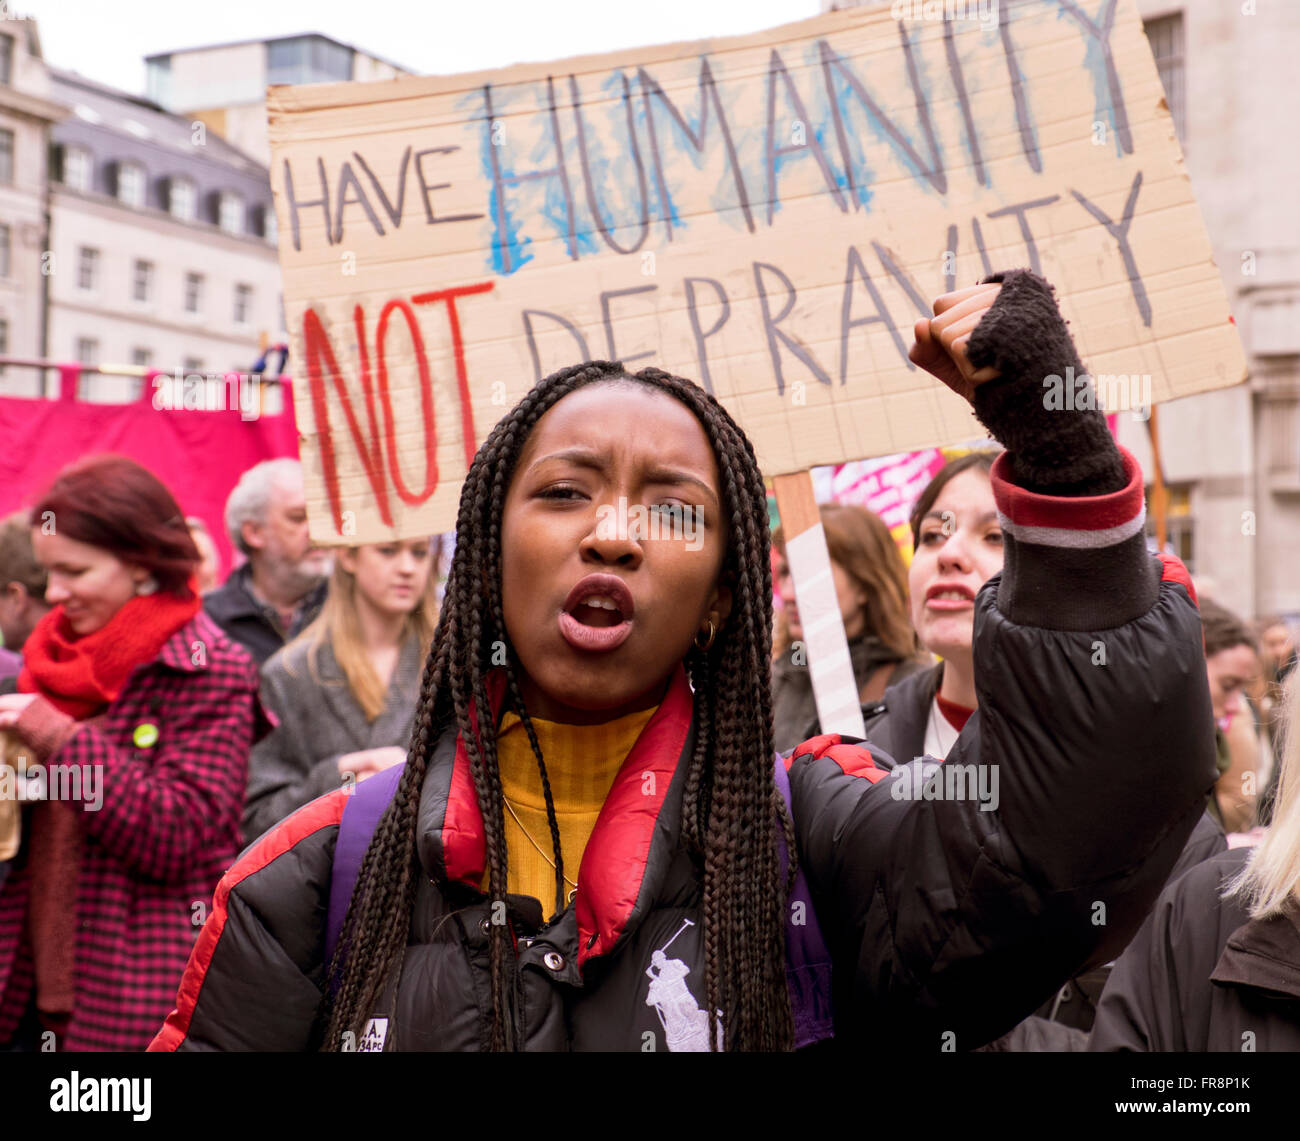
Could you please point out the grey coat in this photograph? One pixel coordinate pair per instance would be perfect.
(319, 722)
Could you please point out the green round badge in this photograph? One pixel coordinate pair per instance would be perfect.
(145, 736)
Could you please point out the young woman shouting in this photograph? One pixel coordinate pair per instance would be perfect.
(651, 910)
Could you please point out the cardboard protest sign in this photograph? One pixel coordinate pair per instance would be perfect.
(767, 215)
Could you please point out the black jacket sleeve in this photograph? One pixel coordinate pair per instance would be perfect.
(269, 914)
(955, 901)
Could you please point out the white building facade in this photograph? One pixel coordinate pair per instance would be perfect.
(26, 116)
(1232, 457)
(225, 85)
(162, 243)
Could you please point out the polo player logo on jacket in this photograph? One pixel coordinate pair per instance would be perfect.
(686, 1026)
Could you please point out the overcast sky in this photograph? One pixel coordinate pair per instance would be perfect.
(107, 40)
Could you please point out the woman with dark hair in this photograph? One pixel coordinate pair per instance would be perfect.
(871, 588)
(957, 548)
(613, 683)
(135, 716)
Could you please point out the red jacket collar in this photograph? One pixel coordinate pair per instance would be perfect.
(614, 865)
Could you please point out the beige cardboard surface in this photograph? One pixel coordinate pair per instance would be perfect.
(767, 215)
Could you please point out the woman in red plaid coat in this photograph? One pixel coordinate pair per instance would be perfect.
(135, 715)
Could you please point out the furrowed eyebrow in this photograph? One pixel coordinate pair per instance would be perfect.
(668, 475)
(588, 459)
(579, 456)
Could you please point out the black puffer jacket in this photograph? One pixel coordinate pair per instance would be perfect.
(897, 725)
(948, 920)
(1203, 975)
(942, 918)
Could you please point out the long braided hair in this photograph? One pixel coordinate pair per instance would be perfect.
(730, 800)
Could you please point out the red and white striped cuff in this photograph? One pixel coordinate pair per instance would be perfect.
(1085, 523)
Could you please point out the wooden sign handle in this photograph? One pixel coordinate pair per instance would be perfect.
(835, 689)
(1159, 492)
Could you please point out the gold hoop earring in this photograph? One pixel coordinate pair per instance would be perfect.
(712, 634)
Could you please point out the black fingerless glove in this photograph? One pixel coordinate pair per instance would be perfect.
(1066, 452)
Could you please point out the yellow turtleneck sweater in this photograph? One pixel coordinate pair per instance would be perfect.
(581, 763)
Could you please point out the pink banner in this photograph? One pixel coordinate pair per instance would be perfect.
(887, 486)
(199, 454)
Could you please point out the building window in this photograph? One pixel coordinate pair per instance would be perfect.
(307, 59)
(4, 341)
(243, 304)
(193, 292)
(141, 358)
(6, 157)
(142, 280)
(6, 238)
(192, 364)
(230, 213)
(158, 79)
(130, 184)
(87, 351)
(87, 267)
(6, 59)
(76, 168)
(181, 199)
(1166, 38)
(264, 222)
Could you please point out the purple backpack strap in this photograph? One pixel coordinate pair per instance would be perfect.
(361, 816)
(808, 961)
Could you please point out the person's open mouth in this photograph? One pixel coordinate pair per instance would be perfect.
(950, 596)
(597, 615)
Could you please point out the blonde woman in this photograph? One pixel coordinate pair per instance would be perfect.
(345, 689)
(1218, 968)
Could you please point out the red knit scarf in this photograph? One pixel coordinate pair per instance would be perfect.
(80, 676)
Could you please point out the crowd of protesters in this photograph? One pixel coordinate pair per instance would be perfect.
(198, 717)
